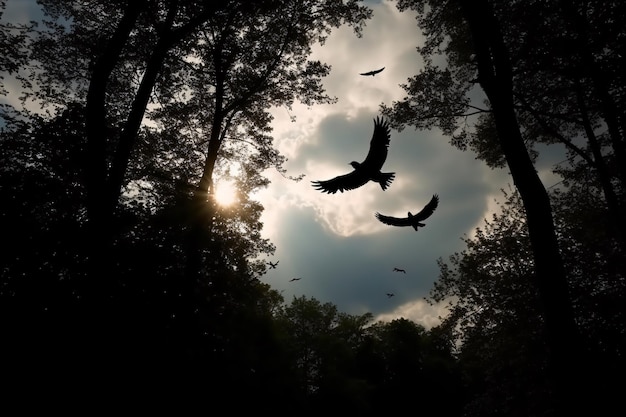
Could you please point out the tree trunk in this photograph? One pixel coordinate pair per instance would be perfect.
(96, 163)
(495, 77)
(128, 137)
(202, 204)
(95, 288)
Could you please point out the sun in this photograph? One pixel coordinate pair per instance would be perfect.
(226, 193)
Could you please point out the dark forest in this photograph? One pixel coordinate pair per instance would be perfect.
(122, 286)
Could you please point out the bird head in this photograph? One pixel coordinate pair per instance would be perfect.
(355, 164)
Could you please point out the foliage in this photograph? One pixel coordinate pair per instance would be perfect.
(495, 309)
(112, 255)
(558, 79)
(349, 363)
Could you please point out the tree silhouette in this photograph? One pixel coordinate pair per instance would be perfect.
(496, 313)
(195, 68)
(513, 59)
(399, 358)
(118, 257)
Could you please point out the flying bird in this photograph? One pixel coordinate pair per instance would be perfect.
(273, 265)
(390, 294)
(369, 169)
(413, 220)
(372, 73)
(295, 279)
(399, 270)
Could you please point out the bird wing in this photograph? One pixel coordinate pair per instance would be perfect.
(351, 181)
(379, 146)
(393, 221)
(428, 209)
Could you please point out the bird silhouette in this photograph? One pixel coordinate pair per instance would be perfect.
(369, 169)
(273, 265)
(372, 73)
(295, 279)
(390, 294)
(399, 270)
(413, 220)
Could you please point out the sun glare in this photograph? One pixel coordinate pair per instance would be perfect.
(226, 193)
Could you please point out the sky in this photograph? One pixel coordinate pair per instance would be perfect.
(341, 252)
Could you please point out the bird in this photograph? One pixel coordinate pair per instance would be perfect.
(413, 220)
(390, 294)
(372, 73)
(273, 265)
(399, 270)
(295, 279)
(369, 169)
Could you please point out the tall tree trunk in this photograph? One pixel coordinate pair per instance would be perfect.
(203, 203)
(96, 162)
(96, 316)
(128, 137)
(495, 77)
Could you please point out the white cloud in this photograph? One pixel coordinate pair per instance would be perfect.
(418, 311)
(334, 241)
(389, 41)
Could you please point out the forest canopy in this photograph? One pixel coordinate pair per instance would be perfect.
(120, 266)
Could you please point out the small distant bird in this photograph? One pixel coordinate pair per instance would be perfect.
(273, 265)
(399, 270)
(369, 169)
(390, 294)
(372, 73)
(295, 279)
(412, 220)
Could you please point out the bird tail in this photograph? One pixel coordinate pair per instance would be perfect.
(385, 179)
(418, 225)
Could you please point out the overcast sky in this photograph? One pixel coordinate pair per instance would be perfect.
(334, 242)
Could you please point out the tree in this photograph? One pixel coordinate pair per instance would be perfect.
(241, 66)
(321, 344)
(123, 58)
(118, 218)
(232, 60)
(511, 55)
(400, 358)
(496, 313)
(151, 344)
(495, 75)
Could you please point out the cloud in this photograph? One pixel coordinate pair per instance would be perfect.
(334, 242)
(354, 272)
(389, 41)
(419, 311)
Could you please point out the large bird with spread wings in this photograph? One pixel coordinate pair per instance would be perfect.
(369, 169)
(413, 220)
(372, 73)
